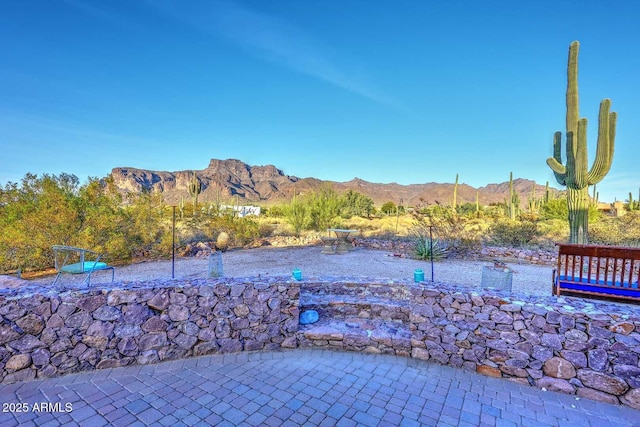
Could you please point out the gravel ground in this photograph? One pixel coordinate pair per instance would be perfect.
(361, 263)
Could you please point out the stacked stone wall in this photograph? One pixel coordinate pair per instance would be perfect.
(571, 345)
(44, 334)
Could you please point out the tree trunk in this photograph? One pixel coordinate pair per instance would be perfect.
(578, 203)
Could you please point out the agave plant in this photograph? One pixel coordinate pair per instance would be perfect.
(425, 246)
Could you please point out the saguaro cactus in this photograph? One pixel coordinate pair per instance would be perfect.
(574, 174)
(513, 200)
(454, 205)
(194, 188)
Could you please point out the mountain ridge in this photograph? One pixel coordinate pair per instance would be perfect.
(223, 180)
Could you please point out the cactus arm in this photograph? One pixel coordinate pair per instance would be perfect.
(555, 162)
(606, 140)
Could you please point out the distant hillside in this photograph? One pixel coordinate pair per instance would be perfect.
(254, 184)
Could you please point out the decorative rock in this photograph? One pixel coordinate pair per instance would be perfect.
(624, 328)
(17, 362)
(632, 398)
(308, 316)
(31, 324)
(598, 359)
(100, 329)
(178, 313)
(26, 344)
(603, 382)
(489, 371)
(40, 357)
(107, 313)
(577, 358)
(154, 324)
(120, 296)
(558, 367)
(552, 341)
(127, 330)
(91, 303)
(159, 302)
(420, 353)
(323, 333)
(599, 396)
(21, 375)
(626, 371)
(555, 384)
(152, 341)
(542, 353)
(8, 334)
(99, 343)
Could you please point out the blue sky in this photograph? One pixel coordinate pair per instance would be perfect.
(387, 91)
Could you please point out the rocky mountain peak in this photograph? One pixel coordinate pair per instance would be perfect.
(223, 180)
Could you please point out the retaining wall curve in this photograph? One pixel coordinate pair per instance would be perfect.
(571, 345)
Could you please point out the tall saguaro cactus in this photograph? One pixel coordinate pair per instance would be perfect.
(574, 174)
(513, 200)
(454, 205)
(194, 187)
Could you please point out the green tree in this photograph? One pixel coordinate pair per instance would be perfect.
(297, 215)
(388, 208)
(324, 207)
(42, 212)
(356, 204)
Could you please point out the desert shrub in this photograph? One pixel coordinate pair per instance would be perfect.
(620, 231)
(241, 231)
(275, 211)
(552, 231)
(513, 233)
(459, 234)
(469, 210)
(558, 209)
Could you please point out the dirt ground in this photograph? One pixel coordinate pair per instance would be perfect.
(278, 261)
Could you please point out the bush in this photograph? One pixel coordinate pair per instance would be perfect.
(620, 231)
(458, 234)
(297, 215)
(513, 233)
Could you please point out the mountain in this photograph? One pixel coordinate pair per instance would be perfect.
(225, 180)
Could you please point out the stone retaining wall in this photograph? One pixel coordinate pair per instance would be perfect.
(45, 334)
(563, 344)
(576, 346)
(532, 256)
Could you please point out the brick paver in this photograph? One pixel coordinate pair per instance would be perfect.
(298, 387)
